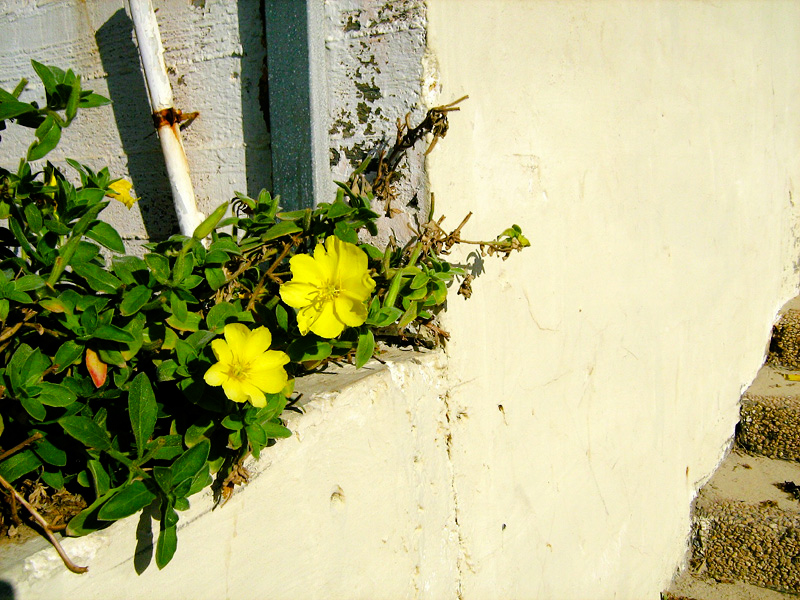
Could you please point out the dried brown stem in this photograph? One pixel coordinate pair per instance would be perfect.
(20, 446)
(268, 273)
(48, 531)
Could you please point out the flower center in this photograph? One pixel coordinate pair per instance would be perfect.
(329, 291)
(238, 369)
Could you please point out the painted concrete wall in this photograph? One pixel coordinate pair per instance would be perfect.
(651, 153)
(357, 504)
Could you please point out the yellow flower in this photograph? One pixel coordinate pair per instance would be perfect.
(330, 289)
(246, 368)
(121, 190)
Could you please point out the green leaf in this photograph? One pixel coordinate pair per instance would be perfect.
(190, 462)
(48, 134)
(159, 265)
(34, 217)
(166, 447)
(166, 546)
(128, 501)
(409, 315)
(143, 411)
(196, 433)
(112, 333)
(215, 277)
(206, 227)
(281, 229)
(274, 430)
(256, 433)
(125, 266)
(92, 100)
(13, 108)
(105, 234)
(19, 464)
(28, 282)
(46, 75)
(34, 367)
(192, 322)
(218, 315)
(282, 317)
(420, 280)
(53, 478)
(178, 307)
(307, 349)
(366, 346)
(49, 453)
(86, 431)
(345, 232)
(102, 482)
(98, 278)
(84, 252)
(134, 299)
(232, 422)
(86, 521)
(33, 407)
(386, 316)
(51, 394)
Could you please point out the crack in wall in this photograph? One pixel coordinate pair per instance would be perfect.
(462, 558)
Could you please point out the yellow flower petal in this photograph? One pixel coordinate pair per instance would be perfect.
(305, 268)
(245, 366)
(327, 324)
(236, 334)
(216, 375)
(350, 312)
(330, 289)
(258, 340)
(121, 190)
(298, 294)
(221, 350)
(271, 382)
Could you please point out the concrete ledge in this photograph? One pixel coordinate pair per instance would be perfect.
(357, 504)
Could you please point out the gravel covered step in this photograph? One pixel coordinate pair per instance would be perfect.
(770, 416)
(747, 523)
(689, 586)
(784, 348)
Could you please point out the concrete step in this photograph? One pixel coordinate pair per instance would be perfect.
(784, 347)
(689, 586)
(747, 524)
(770, 415)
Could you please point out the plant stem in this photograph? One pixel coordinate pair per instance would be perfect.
(48, 531)
(20, 446)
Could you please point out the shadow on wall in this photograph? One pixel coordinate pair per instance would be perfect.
(126, 87)
(6, 591)
(255, 97)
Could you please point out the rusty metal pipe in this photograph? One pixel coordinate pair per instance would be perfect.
(165, 116)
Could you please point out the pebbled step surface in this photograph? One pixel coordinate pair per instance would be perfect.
(746, 527)
(770, 416)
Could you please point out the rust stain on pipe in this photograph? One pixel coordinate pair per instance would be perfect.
(172, 116)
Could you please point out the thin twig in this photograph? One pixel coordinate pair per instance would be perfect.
(268, 273)
(20, 446)
(45, 527)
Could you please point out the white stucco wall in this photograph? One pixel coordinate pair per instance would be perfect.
(651, 153)
(357, 504)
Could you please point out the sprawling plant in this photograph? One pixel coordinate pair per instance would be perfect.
(130, 382)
